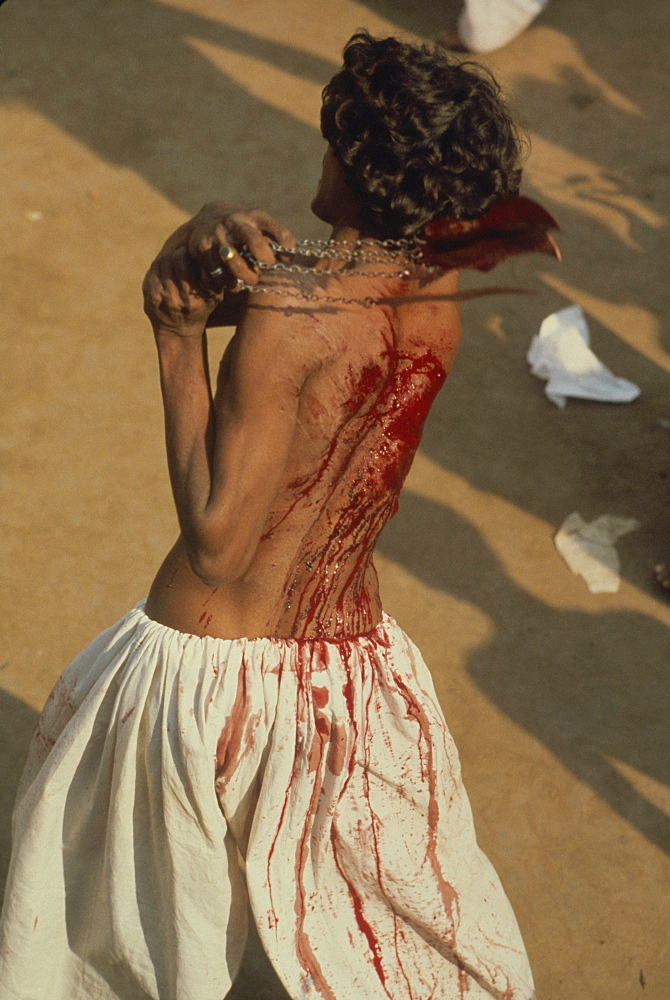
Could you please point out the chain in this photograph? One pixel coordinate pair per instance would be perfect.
(297, 269)
(351, 252)
(355, 251)
(364, 250)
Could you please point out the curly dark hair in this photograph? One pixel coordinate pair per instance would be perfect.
(418, 134)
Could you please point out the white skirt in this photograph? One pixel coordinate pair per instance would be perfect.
(327, 763)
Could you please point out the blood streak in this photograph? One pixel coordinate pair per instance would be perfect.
(363, 925)
(356, 489)
(238, 733)
(374, 828)
(337, 748)
(449, 896)
(315, 753)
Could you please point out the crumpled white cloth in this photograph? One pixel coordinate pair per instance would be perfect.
(588, 548)
(561, 354)
(485, 25)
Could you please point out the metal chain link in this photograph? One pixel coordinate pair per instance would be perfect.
(364, 250)
(354, 251)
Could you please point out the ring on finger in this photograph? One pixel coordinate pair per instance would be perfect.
(227, 253)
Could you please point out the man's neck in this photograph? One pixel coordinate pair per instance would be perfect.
(345, 234)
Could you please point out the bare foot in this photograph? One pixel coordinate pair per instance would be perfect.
(662, 574)
(452, 40)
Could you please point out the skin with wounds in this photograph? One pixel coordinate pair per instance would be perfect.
(361, 382)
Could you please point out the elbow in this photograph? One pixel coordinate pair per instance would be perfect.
(219, 568)
(213, 579)
(213, 572)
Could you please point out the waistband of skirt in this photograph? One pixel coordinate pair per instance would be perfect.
(378, 634)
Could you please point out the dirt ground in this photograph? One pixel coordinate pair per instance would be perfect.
(120, 119)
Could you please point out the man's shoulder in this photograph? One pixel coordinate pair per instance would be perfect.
(281, 326)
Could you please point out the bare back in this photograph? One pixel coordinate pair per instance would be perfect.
(359, 421)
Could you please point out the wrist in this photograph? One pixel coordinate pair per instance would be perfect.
(166, 333)
(180, 356)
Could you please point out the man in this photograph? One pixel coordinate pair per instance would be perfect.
(260, 705)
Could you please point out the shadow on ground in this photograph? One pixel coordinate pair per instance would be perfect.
(428, 19)
(131, 85)
(541, 665)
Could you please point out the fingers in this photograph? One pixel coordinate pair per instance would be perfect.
(218, 226)
(173, 286)
(186, 278)
(152, 292)
(217, 271)
(241, 239)
(276, 230)
(179, 278)
(255, 230)
(178, 238)
(247, 235)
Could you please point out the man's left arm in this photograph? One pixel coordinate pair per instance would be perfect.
(226, 457)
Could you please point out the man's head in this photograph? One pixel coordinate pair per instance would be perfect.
(417, 135)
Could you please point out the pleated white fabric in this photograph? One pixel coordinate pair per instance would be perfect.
(327, 761)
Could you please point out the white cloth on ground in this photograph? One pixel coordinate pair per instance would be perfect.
(485, 25)
(159, 752)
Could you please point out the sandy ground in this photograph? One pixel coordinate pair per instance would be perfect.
(119, 119)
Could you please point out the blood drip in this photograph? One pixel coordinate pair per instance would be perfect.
(329, 584)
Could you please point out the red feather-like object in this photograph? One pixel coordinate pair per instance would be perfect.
(513, 225)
